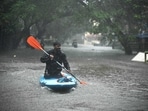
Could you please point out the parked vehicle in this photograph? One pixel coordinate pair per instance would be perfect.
(74, 43)
(95, 43)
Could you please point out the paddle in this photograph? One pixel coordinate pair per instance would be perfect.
(35, 44)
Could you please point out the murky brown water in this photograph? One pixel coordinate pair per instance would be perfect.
(115, 83)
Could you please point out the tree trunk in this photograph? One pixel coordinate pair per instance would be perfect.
(125, 43)
(128, 49)
(41, 28)
(25, 34)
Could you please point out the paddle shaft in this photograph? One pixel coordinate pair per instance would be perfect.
(67, 71)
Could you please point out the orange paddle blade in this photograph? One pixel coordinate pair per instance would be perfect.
(34, 43)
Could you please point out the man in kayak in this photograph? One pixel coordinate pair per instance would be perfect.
(53, 69)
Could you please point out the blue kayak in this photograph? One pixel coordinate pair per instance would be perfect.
(64, 83)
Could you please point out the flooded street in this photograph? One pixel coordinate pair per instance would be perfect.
(114, 82)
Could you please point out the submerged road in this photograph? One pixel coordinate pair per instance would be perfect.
(115, 83)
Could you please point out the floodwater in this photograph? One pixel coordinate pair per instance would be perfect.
(114, 82)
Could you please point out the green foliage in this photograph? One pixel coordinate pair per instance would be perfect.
(17, 16)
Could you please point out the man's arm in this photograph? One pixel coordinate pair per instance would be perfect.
(45, 58)
(65, 62)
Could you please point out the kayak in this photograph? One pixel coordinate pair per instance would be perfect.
(64, 83)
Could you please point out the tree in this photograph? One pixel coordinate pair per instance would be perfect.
(6, 25)
(21, 15)
(14, 22)
(121, 17)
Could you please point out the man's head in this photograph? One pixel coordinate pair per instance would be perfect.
(56, 44)
(57, 47)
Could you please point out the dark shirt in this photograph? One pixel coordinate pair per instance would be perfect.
(51, 66)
